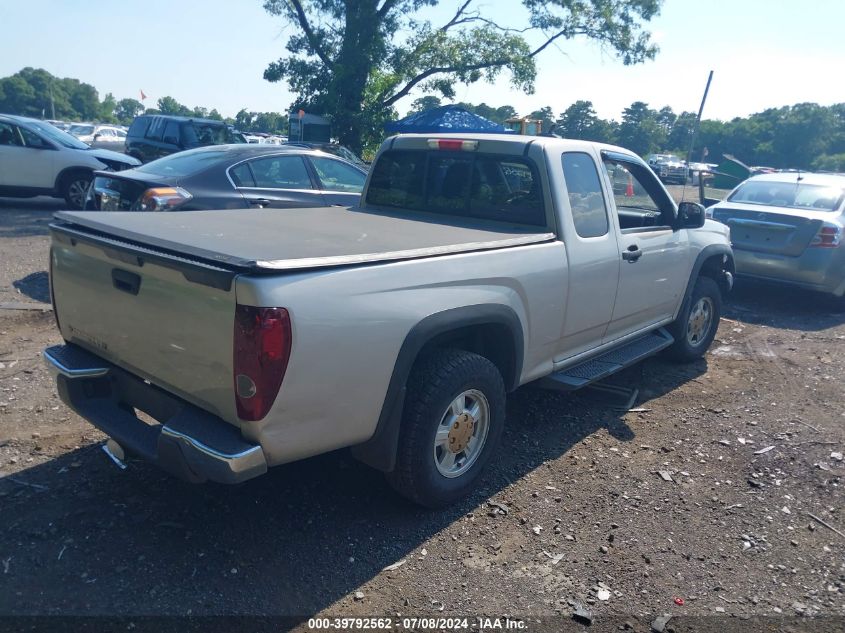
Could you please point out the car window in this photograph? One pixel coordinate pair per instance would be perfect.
(56, 135)
(242, 175)
(281, 172)
(139, 126)
(120, 133)
(505, 189)
(788, 194)
(81, 130)
(9, 135)
(209, 134)
(337, 176)
(184, 163)
(171, 132)
(641, 202)
(156, 129)
(589, 212)
(31, 139)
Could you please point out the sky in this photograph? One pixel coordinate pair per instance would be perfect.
(212, 53)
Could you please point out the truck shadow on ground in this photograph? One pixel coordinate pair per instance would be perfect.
(781, 306)
(35, 286)
(80, 537)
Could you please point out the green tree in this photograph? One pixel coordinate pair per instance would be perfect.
(580, 121)
(200, 112)
(215, 115)
(428, 102)
(354, 61)
(169, 105)
(640, 131)
(127, 109)
(244, 120)
(497, 115)
(107, 109)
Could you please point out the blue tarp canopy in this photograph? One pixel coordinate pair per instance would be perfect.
(447, 118)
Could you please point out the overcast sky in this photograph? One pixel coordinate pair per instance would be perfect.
(212, 53)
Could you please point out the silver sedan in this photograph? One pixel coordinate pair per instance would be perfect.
(788, 227)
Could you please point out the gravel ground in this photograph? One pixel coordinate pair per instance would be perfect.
(716, 499)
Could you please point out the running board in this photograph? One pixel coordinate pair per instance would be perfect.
(604, 365)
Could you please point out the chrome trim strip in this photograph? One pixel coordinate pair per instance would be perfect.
(211, 452)
(113, 457)
(56, 366)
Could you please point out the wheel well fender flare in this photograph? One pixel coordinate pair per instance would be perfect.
(714, 260)
(380, 450)
(60, 177)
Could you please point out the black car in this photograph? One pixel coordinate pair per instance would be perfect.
(152, 136)
(230, 177)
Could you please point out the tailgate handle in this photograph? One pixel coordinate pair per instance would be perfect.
(125, 281)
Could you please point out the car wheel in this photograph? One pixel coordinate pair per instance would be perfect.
(75, 188)
(453, 420)
(696, 326)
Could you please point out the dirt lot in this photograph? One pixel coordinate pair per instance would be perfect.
(697, 503)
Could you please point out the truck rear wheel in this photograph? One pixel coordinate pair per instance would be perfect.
(453, 420)
(696, 326)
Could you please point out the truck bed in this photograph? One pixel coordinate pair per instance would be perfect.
(270, 240)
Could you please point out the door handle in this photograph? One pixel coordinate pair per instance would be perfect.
(125, 281)
(632, 254)
(259, 202)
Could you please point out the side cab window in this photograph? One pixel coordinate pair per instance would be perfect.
(641, 202)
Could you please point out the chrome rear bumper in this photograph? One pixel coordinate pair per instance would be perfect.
(187, 441)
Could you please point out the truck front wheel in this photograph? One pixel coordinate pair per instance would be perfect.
(453, 420)
(696, 326)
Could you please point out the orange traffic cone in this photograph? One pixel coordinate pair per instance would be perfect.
(629, 190)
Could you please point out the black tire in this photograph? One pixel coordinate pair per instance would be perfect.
(72, 184)
(436, 381)
(689, 347)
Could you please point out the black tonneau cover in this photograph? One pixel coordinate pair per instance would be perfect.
(273, 240)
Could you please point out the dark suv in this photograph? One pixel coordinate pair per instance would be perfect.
(152, 136)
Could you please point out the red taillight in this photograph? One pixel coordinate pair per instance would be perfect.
(453, 144)
(829, 236)
(261, 352)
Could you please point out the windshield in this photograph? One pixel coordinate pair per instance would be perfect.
(183, 163)
(56, 135)
(81, 130)
(786, 194)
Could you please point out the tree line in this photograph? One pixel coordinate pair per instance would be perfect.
(34, 92)
(803, 136)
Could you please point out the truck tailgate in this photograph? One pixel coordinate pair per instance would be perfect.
(170, 322)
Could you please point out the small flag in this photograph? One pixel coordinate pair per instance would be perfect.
(143, 96)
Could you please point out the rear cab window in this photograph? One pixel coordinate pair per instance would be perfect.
(586, 200)
(482, 186)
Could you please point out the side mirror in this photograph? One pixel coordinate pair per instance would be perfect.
(690, 215)
(97, 137)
